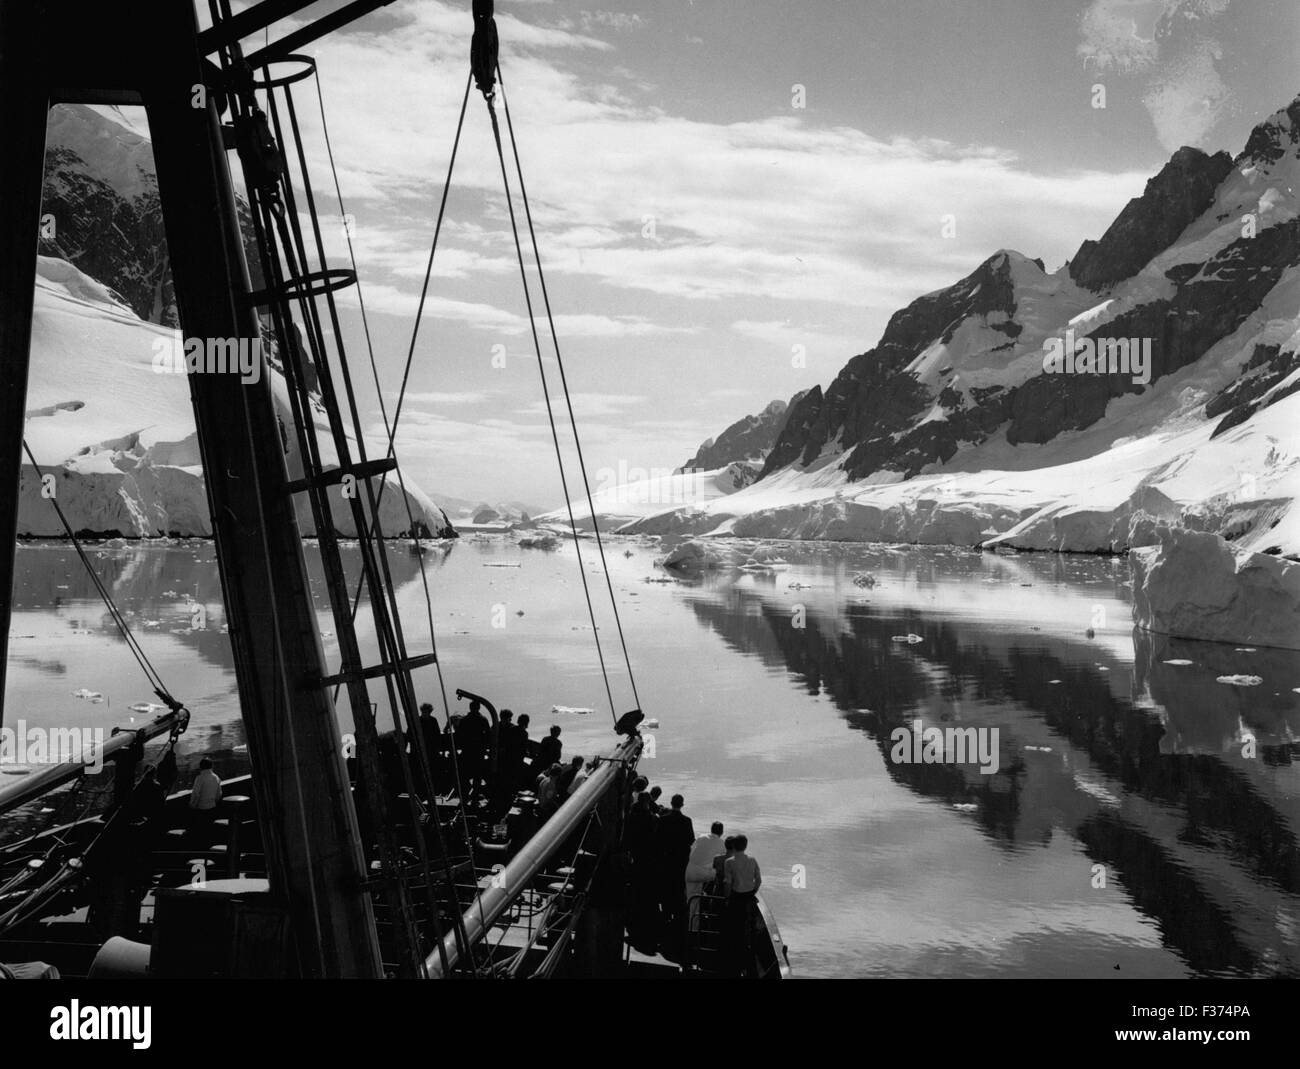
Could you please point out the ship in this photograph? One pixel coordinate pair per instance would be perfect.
(380, 852)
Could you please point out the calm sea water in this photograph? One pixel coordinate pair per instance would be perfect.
(1144, 817)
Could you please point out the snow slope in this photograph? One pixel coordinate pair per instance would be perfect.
(119, 436)
(680, 501)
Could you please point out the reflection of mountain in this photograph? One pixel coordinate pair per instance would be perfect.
(157, 588)
(1203, 842)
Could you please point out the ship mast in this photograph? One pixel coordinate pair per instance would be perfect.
(153, 53)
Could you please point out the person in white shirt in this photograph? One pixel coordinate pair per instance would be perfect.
(581, 776)
(205, 796)
(741, 881)
(699, 869)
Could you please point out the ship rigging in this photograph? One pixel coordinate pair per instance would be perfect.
(337, 859)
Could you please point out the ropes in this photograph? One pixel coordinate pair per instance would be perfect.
(141, 658)
(555, 341)
(426, 759)
(550, 412)
(482, 73)
(391, 429)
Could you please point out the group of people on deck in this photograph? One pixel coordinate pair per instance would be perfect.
(461, 758)
(672, 869)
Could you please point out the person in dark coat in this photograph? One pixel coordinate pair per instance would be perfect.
(510, 764)
(639, 841)
(431, 735)
(674, 837)
(471, 743)
(550, 748)
(168, 772)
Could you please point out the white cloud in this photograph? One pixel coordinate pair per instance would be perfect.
(588, 406)
(586, 325)
(438, 397)
(1187, 99)
(1120, 34)
(785, 334)
(776, 208)
(1168, 41)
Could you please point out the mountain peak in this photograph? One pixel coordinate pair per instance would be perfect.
(1149, 224)
(1272, 138)
(748, 439)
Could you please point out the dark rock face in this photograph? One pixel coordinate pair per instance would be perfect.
(748, 439)
(1149, 224)
(1272, 138)
(873, 402)
(1210, 303)
(799, 422)
(117, 240)
(1268, 365)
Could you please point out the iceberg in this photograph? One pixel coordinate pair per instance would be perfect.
(1193, 584)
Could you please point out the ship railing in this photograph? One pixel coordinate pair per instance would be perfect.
(493, 901)
(93, 757)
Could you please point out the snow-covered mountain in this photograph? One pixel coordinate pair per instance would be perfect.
(747, 441)
(118, 435)
(958, 427)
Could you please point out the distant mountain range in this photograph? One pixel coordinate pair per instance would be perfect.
(957, 426)
(466, 510)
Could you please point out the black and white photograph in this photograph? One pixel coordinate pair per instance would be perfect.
(616, 490)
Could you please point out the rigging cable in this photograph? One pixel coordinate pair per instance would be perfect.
(582, 467)
(550, 411)
(391, 431)
(141, 658)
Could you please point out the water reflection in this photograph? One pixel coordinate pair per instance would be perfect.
(1112, 751)
(1149, 765)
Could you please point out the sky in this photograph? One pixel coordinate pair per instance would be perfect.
(730, 197)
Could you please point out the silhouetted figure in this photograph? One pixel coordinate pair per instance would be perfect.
(655, 793)
(144, 810)
(471, 743)
(639, 839)
(674, 837)
(510, 755)
(119, 862)
(550, 748)
(509, 764)
(168, 772)
(125, 763)
(431, 736)
(528, 766)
